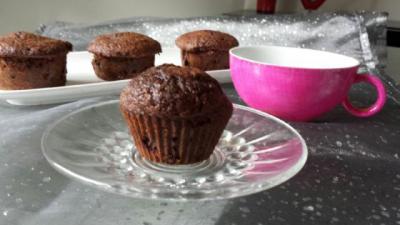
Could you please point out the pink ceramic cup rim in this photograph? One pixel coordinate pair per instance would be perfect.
(330, 59)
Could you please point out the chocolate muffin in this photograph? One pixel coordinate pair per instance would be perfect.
(206, 49)
(176, 115)
(120, 56)
(31, 61)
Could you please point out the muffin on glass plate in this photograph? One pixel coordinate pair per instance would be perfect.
(30, 61)
(119, 56)
(176, 115)
(206, 49)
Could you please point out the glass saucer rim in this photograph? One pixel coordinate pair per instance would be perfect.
(255, 187)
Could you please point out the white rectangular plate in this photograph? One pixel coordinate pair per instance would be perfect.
(82, 82)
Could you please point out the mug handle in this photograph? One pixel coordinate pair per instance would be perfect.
(374, 108)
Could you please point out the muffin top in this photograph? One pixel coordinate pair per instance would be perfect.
(124, 44)
(24, 44)
(174, 91)
(205, 40)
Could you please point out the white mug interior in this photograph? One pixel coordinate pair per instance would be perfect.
(293, 57)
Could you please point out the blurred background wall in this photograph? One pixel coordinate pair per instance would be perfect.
(29, 14)
(391, 6)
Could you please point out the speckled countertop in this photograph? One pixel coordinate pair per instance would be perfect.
(352, 176)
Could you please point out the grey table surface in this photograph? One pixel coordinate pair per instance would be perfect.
(352, 177)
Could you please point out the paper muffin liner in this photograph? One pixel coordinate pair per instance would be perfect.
(207, 60)
(118, 68)
(17, 73)
(175, 141)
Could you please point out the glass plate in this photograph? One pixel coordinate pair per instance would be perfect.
(256, 152)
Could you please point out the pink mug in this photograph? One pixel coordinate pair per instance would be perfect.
(298, 84)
